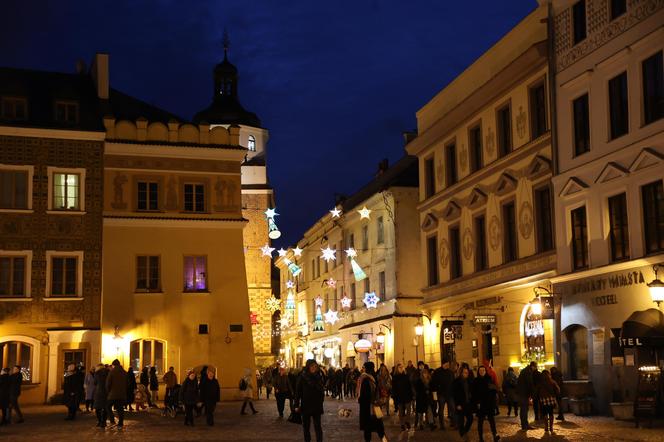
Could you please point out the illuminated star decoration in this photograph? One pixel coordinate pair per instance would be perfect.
(273, 304)
(371, 300)
(331, 283)
(285, 321)
(364, 213)
(267, 250)
(351, 252)
(331, 316)
(253, 318)
(282, 252)
(346, 302)
(319, 301)
(289, 284)
(336, 213)
(329, 254)
(297, 251)
(270, 213)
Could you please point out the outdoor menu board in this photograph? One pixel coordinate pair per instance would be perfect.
(647, 394)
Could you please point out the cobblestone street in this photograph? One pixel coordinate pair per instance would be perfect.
(45, 423)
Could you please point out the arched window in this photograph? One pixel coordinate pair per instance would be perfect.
(576, 349)
(251, 143)
(144, 352)
(18, 353)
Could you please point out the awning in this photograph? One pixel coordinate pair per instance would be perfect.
(643, 328)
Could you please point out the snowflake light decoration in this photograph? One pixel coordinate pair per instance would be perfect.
(318, 323)
(285, 321)
(331, 316)
(267, 250)
(290, 301)
(371, 300)
(351, 252)
(346, 302)
(290, 284)
(270, 213)
(329, 254)
(273, 304)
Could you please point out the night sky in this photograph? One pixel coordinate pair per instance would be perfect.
(335, 82)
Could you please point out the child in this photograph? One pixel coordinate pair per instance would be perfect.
(141, 397)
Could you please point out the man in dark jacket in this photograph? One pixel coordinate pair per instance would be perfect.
(461, 390)
(116, 385)
(526, 389)
(441, 381)
(4, 395)
(557, 376)
(15, 381)
(189, 395)
(309, 397)
(71, 392)
(210, 395)
(282, 391)
(101, 395)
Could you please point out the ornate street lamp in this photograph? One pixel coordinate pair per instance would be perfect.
(656, 287)
(380, 337)
(419, 329)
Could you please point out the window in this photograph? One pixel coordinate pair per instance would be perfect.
(14, 108)
(618, 112)
(367, 285)
(318, 268)
(351, 241)
(481, 261)
(450, 165)
(618, 228)
(475, 151)
(652, 196)
(537, 110)
(12, 276)
(148, 196)
(381, 286)
(147, 352)
(194, 198)
(579, 238)
(365, 237)
(653, 88)
(510, 252)
(579, 21)
(66, 112)
(618, 8)
(577, 351)
(17, 353)
(64, 275)
(543, 219)
(147, 274)
(66, 191)
(504, 128)
(251, 143)
(380, 231)
(581, 125)
(13, 189)
(455, 253)
(76, 357)
(432, 260)
(195, 274)
(353, 295)
(429, 178)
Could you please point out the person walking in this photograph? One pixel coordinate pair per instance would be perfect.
(131, 387)
(154, 386)
(189, 395)
(282, 391)
(526, 389)
(441, 382)
(309, 397)
(423, 400)
(210, 395)
(259, 383)
(170, 380)
(15, 381)
(461, 389)
(509, 390)
(537, 379)
(484, 392)
(557, 376)
(4, 395)
(116, 385)
(370, 403)
(384, 383)
(144, 379)
(547, 392)
(89, 386)
(403, 396)
(247, 391)
(71, 392)
(100, 397)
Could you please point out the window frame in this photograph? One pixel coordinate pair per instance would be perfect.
(382, 285)
(613, 134)
(535, 130)
(451, 171)
(251, 141)
(502, 149)
(456, 261)
(67, 104)
(475, 161)
(184, 197)
(34, 355)
(480, 246)
(207, 274)
(429, 177)
(148, 183)
(514, 234)
(583, 241)
(30, 170)
(587, 131)
(539, 234)
(645, 221)
(380, 230)
(613, 14)
(644, 102)
(577, 37)
(142, 363)
(27, 270)
(80, 256)
(81, 172)
(433, 272)
(365, 238)
(13, 99)
(148, 267)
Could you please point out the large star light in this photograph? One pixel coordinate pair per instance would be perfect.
(319, 301)
(285, 321)
(371, 300)
(290, 284)
(331, 316)
(297, 251)
(331, 283)
(273, 304)
(329, 254)
(351, 252)
(267, 250)
(346, 302)
(282, 252)
(364, 213)
(336, 213)
(270, 213)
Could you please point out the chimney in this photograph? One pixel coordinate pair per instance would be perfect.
(382, 166)
(99, 71)
(409, 136)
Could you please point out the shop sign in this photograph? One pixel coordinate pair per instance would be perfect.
(363, 346)
(485, 319)
(448, 335)
(611, 281)
(603, 300)
(630, 342)
(547, 307)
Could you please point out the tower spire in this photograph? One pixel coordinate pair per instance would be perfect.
(226, 42)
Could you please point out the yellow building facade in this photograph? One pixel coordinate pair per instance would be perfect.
(487, 248)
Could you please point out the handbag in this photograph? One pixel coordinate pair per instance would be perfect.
(295, 418)
(378, 412)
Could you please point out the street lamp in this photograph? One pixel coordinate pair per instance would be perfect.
(419, 329)
(380, 337)
(656, 287)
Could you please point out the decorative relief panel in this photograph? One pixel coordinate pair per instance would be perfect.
(467, 244)
(119, 181)
(490, 141)
(444, 251)
(521, 118)
(226, 195)
(495, 233)
(526, 219)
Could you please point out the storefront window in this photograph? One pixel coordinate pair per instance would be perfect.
(577, 351)
(147, 352)
(533, 332)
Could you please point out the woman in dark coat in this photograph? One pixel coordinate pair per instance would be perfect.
(309, 397)
(423, 399)
(100, 401)
(402, 392)
(210, 395)
(484, 397)
(131, 387)
(189, 396)
(369, 399)
(71, 392)
(144, 379)
(154, 385)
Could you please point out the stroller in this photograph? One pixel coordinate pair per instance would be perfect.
(172, 404)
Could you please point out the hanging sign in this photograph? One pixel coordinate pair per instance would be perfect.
(485, 319)
(547, 307)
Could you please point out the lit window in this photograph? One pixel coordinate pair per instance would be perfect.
(17, 353)
(195, 274)
(144, 352)
(66, 187)
(251, 143)
(66, 112)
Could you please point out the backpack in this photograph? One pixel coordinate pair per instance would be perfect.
(243, 384)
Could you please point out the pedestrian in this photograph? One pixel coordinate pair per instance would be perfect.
(144, 379)
(189, 395)
(116, 385)
(89, 385)
(247, 391)
(141, 397)
(131, 387)
(441, 382)
(4, 395)
(384, 383)
(210, 395)
(484, 392)
(526, 390)
(403, 396)
(509, 390)
(309, 397)
(557, 376)
(100, 398)
(15, 381)
(371, 416)
(71, 392)
(494, 378)
(267, 381)
(547, 392)
(259, 383)
(154, 386)
(463, 402)
(282, 391)
(537, 379)
(423, 400)
(170, 380)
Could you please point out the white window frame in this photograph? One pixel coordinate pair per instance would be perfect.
(35, 354)
(31, 173)
(81, 190)
(251, 138)
(27, 254)
(50, 254)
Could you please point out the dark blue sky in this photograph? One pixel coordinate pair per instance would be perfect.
(335, 82)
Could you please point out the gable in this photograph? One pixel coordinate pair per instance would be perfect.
(573, 186)
(430, 223)
(611, 172)
(646, 158)
(451, 211)
(539, 166)
(476, 198)
(506, 184)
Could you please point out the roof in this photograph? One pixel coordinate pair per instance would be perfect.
(125, 107)
(226, 109)
(41, 90)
